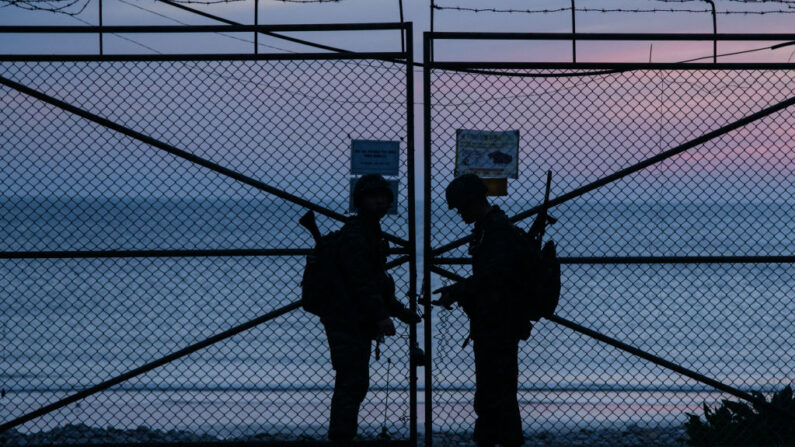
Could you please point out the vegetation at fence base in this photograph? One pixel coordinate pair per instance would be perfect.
(742, 424)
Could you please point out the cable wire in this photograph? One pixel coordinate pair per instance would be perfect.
(33, 5)
(610, 10)
(218, 33)
(86, 22)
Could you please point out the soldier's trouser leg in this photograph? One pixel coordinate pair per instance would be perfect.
(350, 357)
(497, 409)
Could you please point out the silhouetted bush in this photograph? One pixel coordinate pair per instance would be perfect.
(742, 424)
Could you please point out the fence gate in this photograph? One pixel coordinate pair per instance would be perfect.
(673, 187)
(149, 232)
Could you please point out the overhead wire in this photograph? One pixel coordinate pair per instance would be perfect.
(260, 44)
(225, 35)
(233, 78)
(86, 22)
(279, 35)
(608, 10)
(579, 83)
(207, 2)
(472, 71)
(62, 8)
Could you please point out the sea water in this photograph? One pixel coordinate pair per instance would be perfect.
(70, 323)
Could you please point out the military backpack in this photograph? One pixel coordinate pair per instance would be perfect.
(539, 274)
(540, 291)
(320, 278)
(320, 283)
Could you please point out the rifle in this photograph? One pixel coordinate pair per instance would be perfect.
(308, 221)
(542, 219)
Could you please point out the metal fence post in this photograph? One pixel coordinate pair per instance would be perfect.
(714, 31)
(407, 37)
(100, 27)
(573, 32)
(427, 259)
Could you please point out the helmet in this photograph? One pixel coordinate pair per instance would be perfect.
(464, 189)
(370, 183)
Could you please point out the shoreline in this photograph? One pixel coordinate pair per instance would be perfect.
(81, 434)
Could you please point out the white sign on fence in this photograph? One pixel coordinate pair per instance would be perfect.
(375, 157)
(489, 154)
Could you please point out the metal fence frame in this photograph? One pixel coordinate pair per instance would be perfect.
(433, 260)
(406, 248)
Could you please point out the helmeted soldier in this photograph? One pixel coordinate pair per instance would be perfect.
(488, 297)
(364, 313)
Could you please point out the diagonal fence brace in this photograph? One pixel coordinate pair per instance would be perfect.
(647, 356)
(267, 33)
(636, 167)
(148, 367)
(184, 154)
(164, 360)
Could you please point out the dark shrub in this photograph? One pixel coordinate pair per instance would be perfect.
(742, 424)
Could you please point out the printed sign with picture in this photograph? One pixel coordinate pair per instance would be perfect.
(489, 154)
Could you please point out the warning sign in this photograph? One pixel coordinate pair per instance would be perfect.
(489, 154)
(375, 157)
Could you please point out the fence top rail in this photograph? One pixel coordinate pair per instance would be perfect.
(612, 67)
(388, 56)
(204, 28)
(439, 35)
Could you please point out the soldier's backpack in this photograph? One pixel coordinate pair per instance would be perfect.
(320, 282)
(547, 282)
(320, 278)
(539, 274)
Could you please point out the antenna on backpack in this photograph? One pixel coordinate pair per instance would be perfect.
(549, 219)
(542, 219)
(384, 435)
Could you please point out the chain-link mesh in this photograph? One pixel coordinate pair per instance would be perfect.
(731, 196)
(69, 184)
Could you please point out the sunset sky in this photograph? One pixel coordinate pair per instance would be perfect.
(148, 12)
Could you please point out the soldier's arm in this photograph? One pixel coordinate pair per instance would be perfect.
(363, 279)
(499, 254)
(394, 307)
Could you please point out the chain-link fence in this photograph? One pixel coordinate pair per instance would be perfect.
(119, 249)
(116, 253)
(689, 258)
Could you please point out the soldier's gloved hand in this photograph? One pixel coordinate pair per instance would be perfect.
(388, 285)
(408, 317)
(386, 327)
(447, 298)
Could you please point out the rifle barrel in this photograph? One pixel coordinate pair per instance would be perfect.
(549, 183)
(308, 221)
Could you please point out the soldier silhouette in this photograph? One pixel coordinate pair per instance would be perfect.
(488, 298)
(363, 314)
